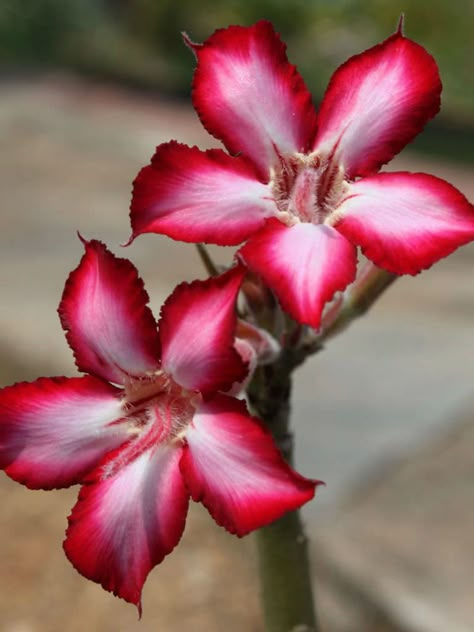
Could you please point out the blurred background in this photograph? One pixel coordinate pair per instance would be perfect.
(384, 415)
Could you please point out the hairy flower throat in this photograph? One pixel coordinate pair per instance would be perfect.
(307, 188)
(158, 400)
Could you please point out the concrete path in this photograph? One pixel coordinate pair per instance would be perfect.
(399, 555)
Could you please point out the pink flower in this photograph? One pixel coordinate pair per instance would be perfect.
(148, 427)
(301, 188)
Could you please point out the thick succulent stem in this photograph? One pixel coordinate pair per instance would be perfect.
(285, 576)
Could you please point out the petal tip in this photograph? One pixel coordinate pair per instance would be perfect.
(193, 46)
(82, 239)
(400, 25)
(134, 600)
(129, 241)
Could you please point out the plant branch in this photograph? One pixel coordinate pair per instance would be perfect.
(285, 575)
(208, 263)
(357, 299)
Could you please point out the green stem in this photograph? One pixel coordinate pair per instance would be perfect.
(207, 261)
(285, 576)
(358, 299)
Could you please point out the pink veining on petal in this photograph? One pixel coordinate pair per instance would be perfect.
(232, 466)
(197, 329)
(405, 222)
(54, 430)
(197, 196)
(304, 264)
(376, 103)
(104, 312)
(249, 96)
(129, 516)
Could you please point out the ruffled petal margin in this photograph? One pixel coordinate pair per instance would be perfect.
(129, 516)
(249, 96)
(405, 222)
(197, 330)
(376, 103)
(55, 430)
(104, 312)
(196, 196)
(232, 466)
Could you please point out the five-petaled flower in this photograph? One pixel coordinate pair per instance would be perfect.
(302, 187)
(148, 427)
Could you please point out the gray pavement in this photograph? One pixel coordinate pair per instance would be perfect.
(400, 552)
(392, 383)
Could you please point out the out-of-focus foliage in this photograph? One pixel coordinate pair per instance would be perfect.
(34, 31)
(139, 40)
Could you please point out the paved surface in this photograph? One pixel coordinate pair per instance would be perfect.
(393, 382)
(401, 551)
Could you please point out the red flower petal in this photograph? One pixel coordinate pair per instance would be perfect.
(232, 466)
(304, 265)
(197, 196)
(54, 430)
(197, 329)
(104, 312)
(130, 515)
(249, 96)
(376, 103)
(404, 222)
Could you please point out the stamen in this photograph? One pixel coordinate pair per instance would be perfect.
(307, 188)
(142, 389)
(158, 401)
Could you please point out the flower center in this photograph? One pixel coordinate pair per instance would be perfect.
(307, 188)
(157, 400)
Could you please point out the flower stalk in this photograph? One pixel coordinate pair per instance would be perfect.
(370, 283)
(206, 260)
(285, 576)
(282, 547)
